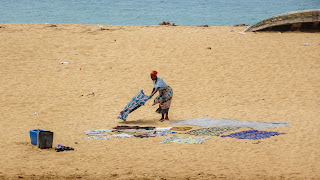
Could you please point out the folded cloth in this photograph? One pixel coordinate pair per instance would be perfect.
(185, 140)
(137, 101)
(253, 134)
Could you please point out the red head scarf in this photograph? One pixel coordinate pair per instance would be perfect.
(154, 73)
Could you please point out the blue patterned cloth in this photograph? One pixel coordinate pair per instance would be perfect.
(253, 134)
(137, 101)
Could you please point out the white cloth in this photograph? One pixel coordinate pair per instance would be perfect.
(163, 128)
(122, 135)
(160, 83)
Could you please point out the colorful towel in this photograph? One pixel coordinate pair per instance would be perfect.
(253, 134)
(212, 131)
(185, 140)
(137, 101)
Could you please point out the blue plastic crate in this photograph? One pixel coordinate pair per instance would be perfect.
(34, 136)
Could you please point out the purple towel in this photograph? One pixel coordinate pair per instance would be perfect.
(253, 134)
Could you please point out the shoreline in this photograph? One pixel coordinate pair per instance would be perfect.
(176, 25)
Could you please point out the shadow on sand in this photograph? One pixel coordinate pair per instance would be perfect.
(140, 122)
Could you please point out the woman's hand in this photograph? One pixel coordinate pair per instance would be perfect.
(154, 103)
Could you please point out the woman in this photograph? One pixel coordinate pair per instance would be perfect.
(165, 95)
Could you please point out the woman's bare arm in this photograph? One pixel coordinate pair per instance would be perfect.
(154, 91)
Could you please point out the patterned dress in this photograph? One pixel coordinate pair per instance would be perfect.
(165, 96)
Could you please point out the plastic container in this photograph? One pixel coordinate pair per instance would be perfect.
(45, 139)
(34, 136)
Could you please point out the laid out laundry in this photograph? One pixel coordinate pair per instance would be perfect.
(212, 131)
(137, 101)
(145, 135)
(148, 131)
(253, 134)
(210, 122)
(163, 133)
(134, 127)
(99, 134)
(163, 128)
(126, 127)
(127, 132)
(100, 137)
(181, 128)
(147, 128)
(185, 140)
(122, 135)
(98, 131)
(102, 130)
(131, 132)
(145, 132)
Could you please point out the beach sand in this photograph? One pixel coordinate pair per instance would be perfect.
(215, 72)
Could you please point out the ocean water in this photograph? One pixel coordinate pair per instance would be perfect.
(148, 12)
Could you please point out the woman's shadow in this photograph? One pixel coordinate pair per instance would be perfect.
(140, 122)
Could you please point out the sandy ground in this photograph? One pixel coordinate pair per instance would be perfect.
(214, 72)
